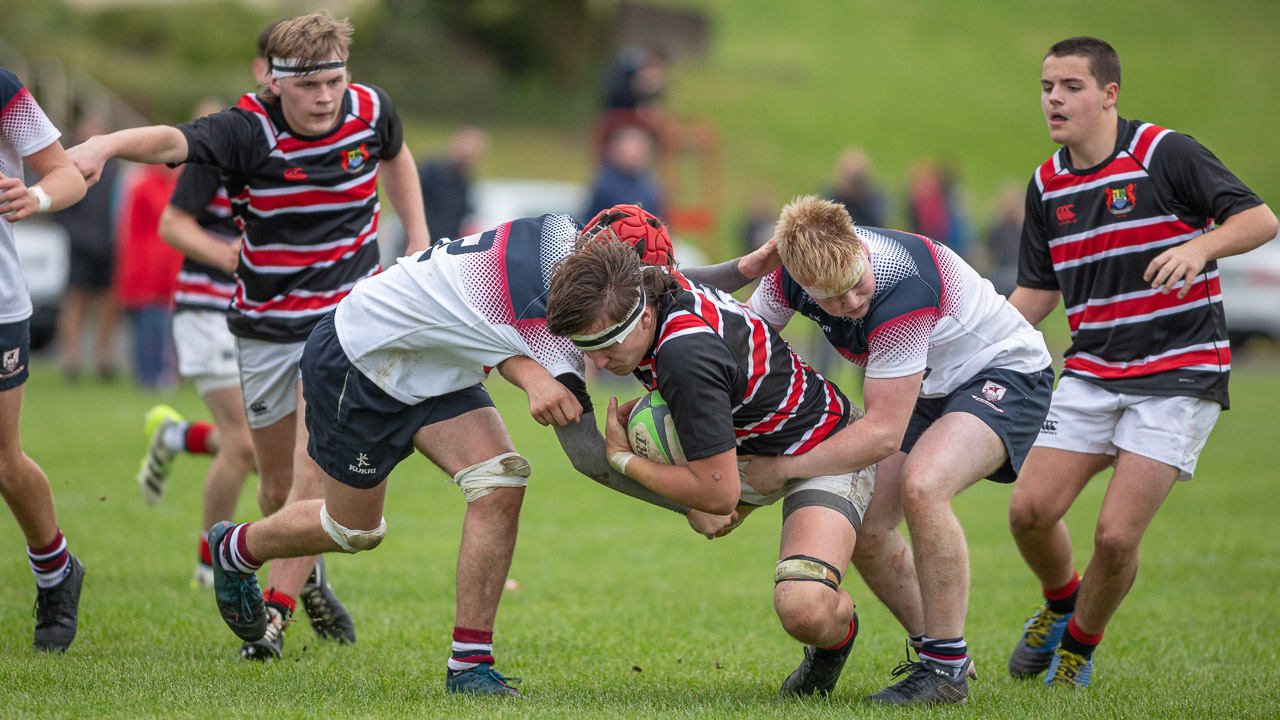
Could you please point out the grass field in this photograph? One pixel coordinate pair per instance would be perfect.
(622, 611)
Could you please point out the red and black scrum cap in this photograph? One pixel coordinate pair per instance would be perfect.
(639, 228)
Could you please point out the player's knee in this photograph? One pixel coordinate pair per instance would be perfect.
(919, 494)
(805, 591)
(1025, 517)
(352, 540)
(271, 497)
(508, 470)
(1115, 545)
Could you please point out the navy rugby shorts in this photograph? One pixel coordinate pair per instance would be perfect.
(358, 432)
(1013, 404)
(15, 353)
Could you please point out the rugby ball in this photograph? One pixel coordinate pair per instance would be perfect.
(652, 431)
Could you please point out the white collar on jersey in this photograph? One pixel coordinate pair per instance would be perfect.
(615, 333)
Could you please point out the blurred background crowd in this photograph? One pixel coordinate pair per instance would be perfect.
(711, 114)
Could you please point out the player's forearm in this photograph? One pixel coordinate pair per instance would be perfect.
(585, 448)
(181, 232)
(400, 178)
(716, 495)
(1035, 305)
(859, 445)
(725, 275)
(1239, 233)
(152, 145)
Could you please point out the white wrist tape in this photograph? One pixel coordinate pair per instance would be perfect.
(42, 198)
(620, 459)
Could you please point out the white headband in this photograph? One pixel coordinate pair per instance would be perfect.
(293, 67)
(615, 333)
(855, 274)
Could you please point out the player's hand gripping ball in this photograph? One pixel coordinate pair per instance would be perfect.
(639, 228)
(652, 431)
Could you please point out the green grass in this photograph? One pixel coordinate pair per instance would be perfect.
(622, 610)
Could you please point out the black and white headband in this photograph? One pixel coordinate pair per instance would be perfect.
(293, 67)
(614, 333)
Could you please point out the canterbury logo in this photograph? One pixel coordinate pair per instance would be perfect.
(1066, 214)
(295, 174)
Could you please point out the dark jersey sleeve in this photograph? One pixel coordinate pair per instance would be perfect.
(196, 187)
(1035, 264)
(390, 130)
(578, 387)
(1196, 183)
(231, 140)
(696, 376)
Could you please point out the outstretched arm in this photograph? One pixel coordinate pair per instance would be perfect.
(733, 275)
(584, 445)
(152, 145)
(59, 182)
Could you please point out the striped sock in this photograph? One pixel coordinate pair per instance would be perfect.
(950, 653)
(202, 550)
(51, 563)
(234, 553)
(470, 648)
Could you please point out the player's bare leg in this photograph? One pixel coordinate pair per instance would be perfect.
(233, 458)
(933, 475)
(487, 546)
(273, 448)
(816, 613)
(1050, 481)
(882, 556)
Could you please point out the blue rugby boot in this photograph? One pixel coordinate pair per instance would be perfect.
(239, 599)
(480, 680)
(1041, 635)
(1069, 670)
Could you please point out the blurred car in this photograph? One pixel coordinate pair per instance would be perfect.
(44, 249)
(1251, 293)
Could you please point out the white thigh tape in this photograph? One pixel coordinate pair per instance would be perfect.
(506, 470)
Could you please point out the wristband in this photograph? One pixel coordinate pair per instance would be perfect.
(620, 459)
(42, 198)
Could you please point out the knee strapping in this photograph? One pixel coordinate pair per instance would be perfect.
(506, 470)
(806, 569)
(352, 541)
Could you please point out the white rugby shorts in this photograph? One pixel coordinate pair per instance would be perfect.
(1086, 418)
(206, 349)
(269, 377)
(856, 487)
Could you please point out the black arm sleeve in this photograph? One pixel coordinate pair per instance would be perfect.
(390, 131)
(584, 445)
(230, 139)
(724, 276)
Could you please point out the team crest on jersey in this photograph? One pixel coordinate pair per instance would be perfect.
(992, 391)
(353, 160)
(1120, 201)
(9, 364)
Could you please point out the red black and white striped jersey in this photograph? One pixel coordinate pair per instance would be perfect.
(1091, 233)
(24, 130)
(732, 381)
(199, 193)
(308, 206)
(930, 312)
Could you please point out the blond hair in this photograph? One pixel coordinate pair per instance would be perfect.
(816, 242)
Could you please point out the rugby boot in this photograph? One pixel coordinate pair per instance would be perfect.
(480, 680)
(1041, 635)
(57, 610)
(328, 616)
(926, 683)
(156, 465)
(271, 644)
(820, 669)
(1068, 669)
(239, 599)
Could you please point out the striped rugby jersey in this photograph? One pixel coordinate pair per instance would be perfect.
(1091, 233)
(200, 194)
(308, 206)
(732, 381)
(930, 312)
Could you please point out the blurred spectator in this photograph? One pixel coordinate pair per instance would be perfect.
(147, 274)
(626, 174)
(1003, 237)
(636, 80)
(446, 182)
(935, 208)
(853, 186)
(90, 226)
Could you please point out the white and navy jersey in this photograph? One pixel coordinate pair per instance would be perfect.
(24, 130)
(308, 206)
(930, 312)
(732, 381)
(439, 320)
(200, 193)
(1091, 234)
